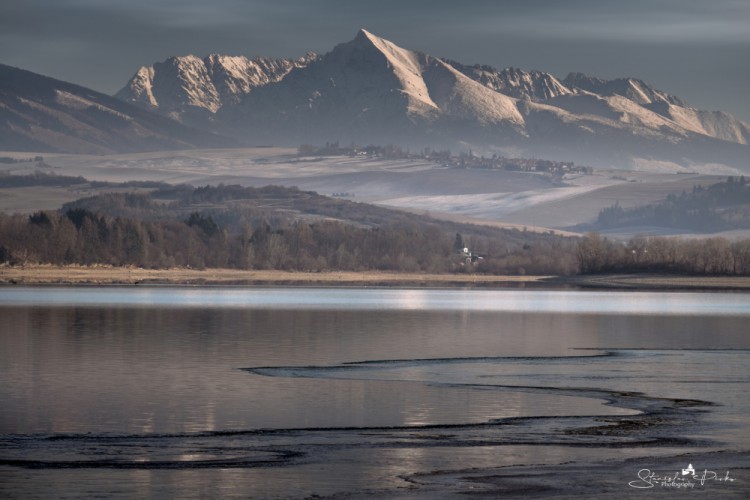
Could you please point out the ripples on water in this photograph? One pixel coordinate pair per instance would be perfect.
(122, 380)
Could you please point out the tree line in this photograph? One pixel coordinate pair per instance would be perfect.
(79, 236)
(707, 256)
(274, 227)
(718, 207)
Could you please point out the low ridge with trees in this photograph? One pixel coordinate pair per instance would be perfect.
(163, 226)
(718, 207)
(267, 228)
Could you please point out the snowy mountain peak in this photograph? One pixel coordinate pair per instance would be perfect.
(364, 36)
(402, 60)
(525, 85)
(44, 114)
(142, 84)
(636, 90)
(386, 59)
(371, 90)
(189, 88)
(672, 112)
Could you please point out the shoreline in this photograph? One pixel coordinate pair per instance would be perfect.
(74, 275)
(657, 282)
(107, 275)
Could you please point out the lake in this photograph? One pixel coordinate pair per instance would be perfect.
(192, 392)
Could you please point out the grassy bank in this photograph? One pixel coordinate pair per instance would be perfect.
(104, 275)
(107, 275)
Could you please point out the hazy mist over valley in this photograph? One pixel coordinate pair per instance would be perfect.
(453, 132)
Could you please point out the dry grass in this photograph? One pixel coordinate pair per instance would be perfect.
(76, 275)
(42, 274)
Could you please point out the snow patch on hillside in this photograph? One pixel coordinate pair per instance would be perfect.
(487, 205)
(72, 101)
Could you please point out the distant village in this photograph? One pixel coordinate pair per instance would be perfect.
(447, 159)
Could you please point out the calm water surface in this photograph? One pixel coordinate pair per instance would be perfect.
(140, 391)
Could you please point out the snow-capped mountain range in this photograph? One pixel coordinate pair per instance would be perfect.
(370, 90)
(191, 89)
(41, 114)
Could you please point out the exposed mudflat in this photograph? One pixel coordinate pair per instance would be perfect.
(606, 443)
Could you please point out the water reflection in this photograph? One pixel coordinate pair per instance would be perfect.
(175, 369)
(163, 365)
(391, 299)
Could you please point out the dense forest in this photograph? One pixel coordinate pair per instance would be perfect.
(719, 207)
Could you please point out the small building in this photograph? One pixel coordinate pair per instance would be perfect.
(470, 258)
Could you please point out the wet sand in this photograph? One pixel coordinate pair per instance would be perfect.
(727, 476)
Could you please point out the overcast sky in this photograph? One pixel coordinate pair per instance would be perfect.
(697, 50)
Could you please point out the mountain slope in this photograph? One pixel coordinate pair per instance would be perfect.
(371, 90)
(190, 89)
(631, 88)
(714, 124)
(42, 114)
(528, 85)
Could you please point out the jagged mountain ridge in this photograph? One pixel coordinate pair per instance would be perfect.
(41, 114)
(191, 89)
(541, 87)
(636, 90)
(370, 90)
(526, 85)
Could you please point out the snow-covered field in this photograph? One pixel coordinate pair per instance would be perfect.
(491, 206)
(521, 199)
